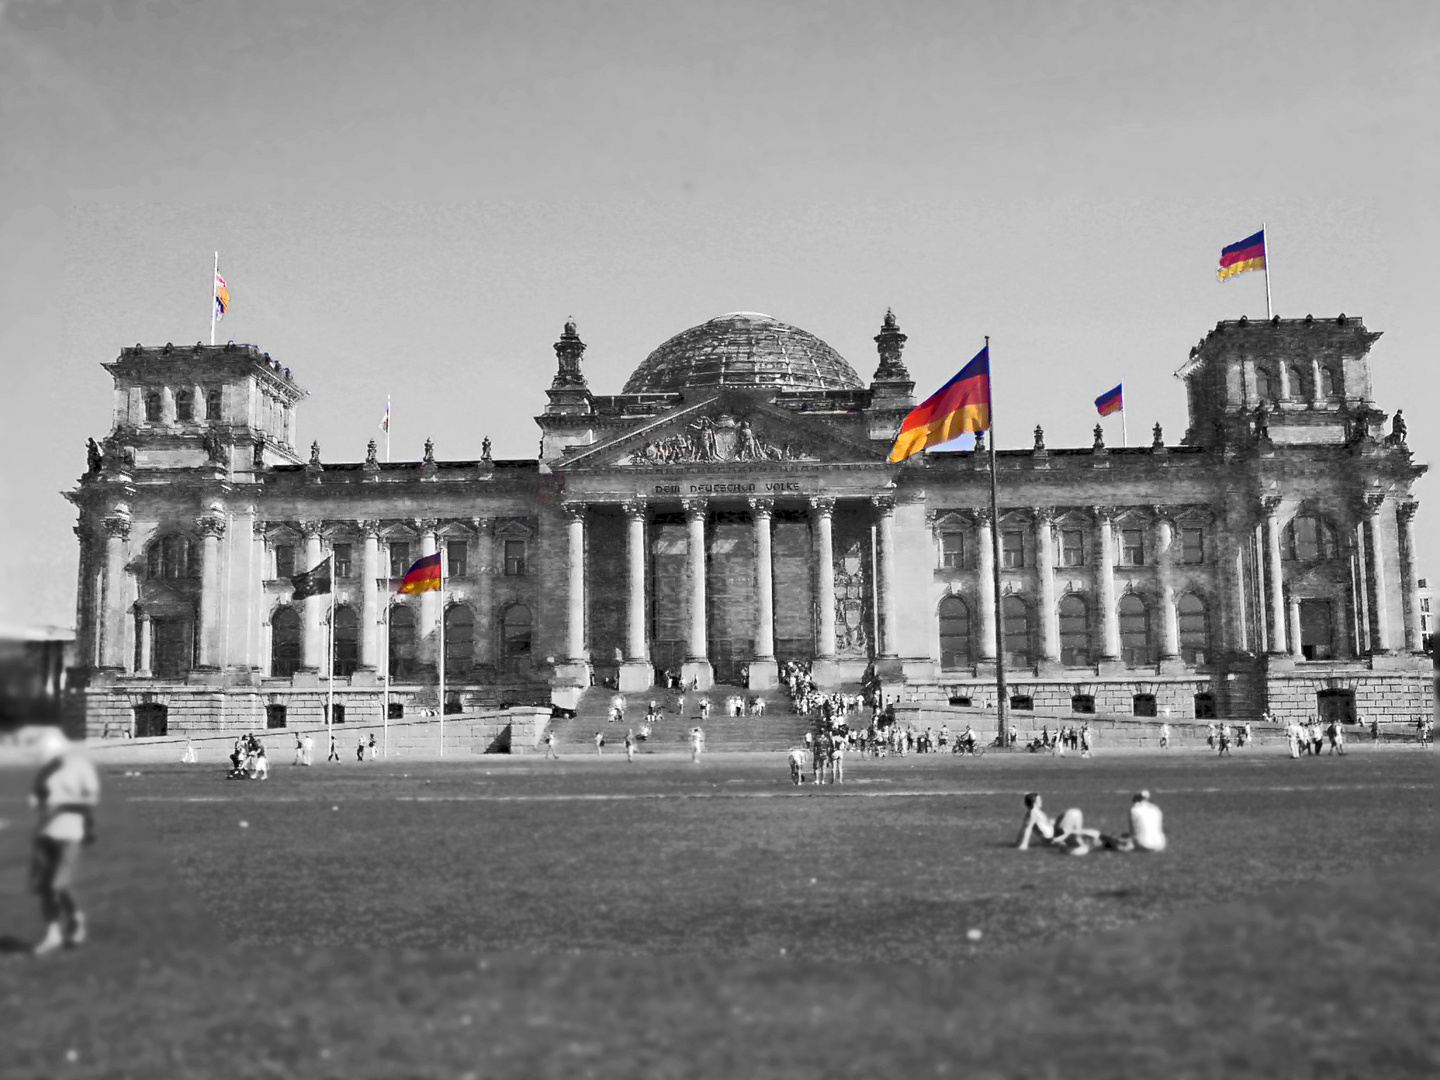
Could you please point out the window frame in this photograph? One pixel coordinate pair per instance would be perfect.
(952, 559)
(451, 569)
(1007, 551)
(1186, 548)
(516, 567)
(1132, 555)
(1066, 549)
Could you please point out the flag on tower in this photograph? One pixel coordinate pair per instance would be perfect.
(1247, 254)
(385, 420)
(314, 582)
(222, 296)
(1112, 401)
(961, 405)
(424, 576)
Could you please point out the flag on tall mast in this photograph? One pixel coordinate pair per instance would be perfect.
(220, 297)
(385, 426)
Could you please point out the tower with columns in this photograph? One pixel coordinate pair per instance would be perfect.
(732, 511)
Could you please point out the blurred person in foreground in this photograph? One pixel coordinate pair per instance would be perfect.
(66, 792)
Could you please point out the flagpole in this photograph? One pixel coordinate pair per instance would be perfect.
(387, 429)
(330, 705)
(215, 295)
(1269, 314)
(1002, 696)
(385, 709)
(440, 545)
(1124, 426)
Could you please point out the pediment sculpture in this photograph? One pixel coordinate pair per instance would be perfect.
(709, 439)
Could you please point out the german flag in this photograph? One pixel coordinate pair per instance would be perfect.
(424, 576)
(1248, 254)
(1112, 401)
(961, 405)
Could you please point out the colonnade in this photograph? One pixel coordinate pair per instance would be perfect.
(696, 513)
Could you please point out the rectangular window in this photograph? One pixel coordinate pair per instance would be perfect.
(1012, 549)
(514, 558)
(1192, 546)
(284, 560)
(1144, 705)
(1132, 547)
(456, 552)
(399, 559)
(952, 550)
(397, 710)
(1072, 547)
(1424, 603)
(342, 560)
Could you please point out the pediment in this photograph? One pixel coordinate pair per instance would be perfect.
(726, 428)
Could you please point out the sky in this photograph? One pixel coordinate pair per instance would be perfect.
(410, 198)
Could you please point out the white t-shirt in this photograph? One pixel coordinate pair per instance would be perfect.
(1147, 826)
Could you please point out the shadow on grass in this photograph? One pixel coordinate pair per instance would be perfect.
(9, 944)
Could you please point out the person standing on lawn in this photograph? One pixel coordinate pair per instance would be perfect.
(309, 749)
(599, 742)
(629, 744)
(334, 754)
(66, 793)
(299, 749)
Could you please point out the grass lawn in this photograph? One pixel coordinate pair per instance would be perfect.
(516, 917)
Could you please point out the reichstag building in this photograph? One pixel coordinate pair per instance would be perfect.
(731, 509)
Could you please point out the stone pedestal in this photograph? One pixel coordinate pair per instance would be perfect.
(764, 675)
(699, 672)
(636, 676)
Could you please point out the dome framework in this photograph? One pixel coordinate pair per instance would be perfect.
(743, 349)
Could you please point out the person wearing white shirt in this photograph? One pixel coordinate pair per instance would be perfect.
(1147, 828)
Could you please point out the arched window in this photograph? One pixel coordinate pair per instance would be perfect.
(1264, 384)
(1327, 381)
(1018, 631)
(284, 642)
(1297, 382)
(153, 407)
(1135, 645)
(403, 663)
(515, 638)
(1074, 632)
(1194, 628)
(955, 649)
(459, 642)
(212, 405)
(184, 405)
(347, 640)
(1310, 539)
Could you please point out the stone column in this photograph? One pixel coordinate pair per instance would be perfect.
(1045, 572)
(887, 646)
(312, 639)
(985, 584)
(761, 511)
(1379, 578)
(1296, 650)
(635, 581)
(369, 595)
(1361, 577)
(1409, 577)
(112, 623)
(211, 529)
(485, 617)
(821, 513)
(1165, 563)
(636, 672)
(575, 623)
(1316, 395)
(142, 634)
(431, 603)
(696, 667)
(1105, 583)
(1274, 574)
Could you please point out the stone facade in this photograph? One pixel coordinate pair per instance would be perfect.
(735, 509)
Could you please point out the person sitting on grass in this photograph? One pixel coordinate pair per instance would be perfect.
(1067, 831)
(1147, 828)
